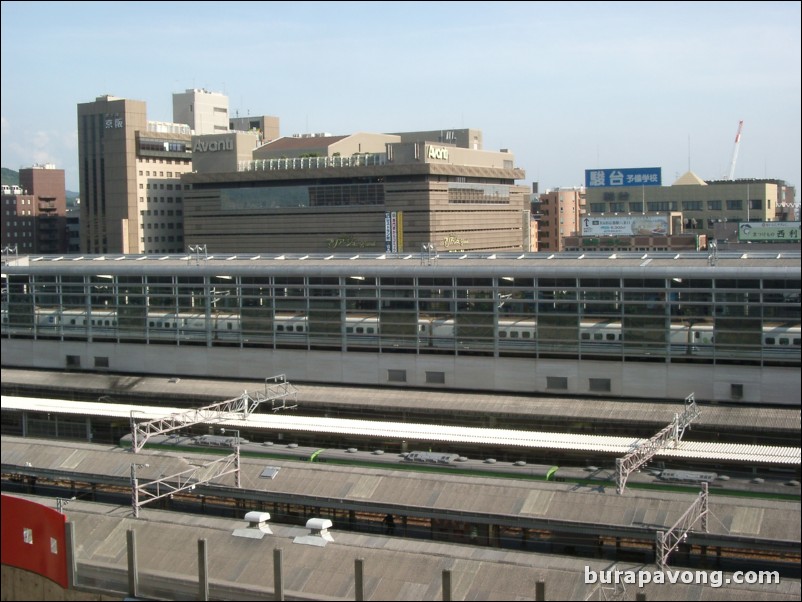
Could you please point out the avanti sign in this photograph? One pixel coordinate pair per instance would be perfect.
(438, 152)
(201, 146)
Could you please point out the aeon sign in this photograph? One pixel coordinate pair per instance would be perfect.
(202, 146)
(438, 152)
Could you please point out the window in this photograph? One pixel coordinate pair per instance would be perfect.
(435, 378)
(558, 383)
(599, 385)
(73, 361)
(397, 376)
(736, 391)
(714, 205)
(735, 204)
(101, 362)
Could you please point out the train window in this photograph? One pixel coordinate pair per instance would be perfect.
(597, 336)
(526, 334)
(279, 328)
(783, 341)
(229, 326)
(299, 328)
(371, 330)
(770, 341)
(585, 336)
(514, 334)
(502, 335)
(349, 330)
(72, 322)
(360, 330)
(797, 342)
(611, 337)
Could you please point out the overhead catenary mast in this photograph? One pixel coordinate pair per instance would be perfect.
(731, 174)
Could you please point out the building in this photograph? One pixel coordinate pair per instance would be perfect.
(700, 204)
(129, 170)
(267, 126)
(362, 191)
(560, 211)
(626, 325)
(34, 213)
(203, 111)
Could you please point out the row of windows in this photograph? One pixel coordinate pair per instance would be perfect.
(144, 212)
(169, 226)
(160, 174)
(160, 199)
(637, 207)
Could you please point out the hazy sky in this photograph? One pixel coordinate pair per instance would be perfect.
(565, 86)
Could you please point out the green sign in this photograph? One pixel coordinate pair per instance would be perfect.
(769, 231)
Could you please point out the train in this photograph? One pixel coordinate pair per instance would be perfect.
(602, 336)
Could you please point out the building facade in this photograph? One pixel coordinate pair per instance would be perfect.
(129, 170)
(365, 192)
(203, 111)
(267, 126)
(653, 326)
(701, 204)
(34, 213)
(559, 211)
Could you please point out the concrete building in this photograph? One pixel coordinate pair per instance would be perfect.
(626, 326)
(34, 213)
(266, 126)
(701, 204)
(560, 211)
(374, 192)
(203, 111)
(129, 171)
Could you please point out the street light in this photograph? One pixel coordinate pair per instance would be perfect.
(236, 436)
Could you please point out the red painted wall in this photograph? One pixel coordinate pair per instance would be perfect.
(33, 538)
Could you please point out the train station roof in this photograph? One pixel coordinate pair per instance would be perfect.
(394, 568)
(569, 507)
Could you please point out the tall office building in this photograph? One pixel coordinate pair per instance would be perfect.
(203, 111)
(129, 171)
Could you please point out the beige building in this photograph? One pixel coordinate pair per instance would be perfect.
(377, 192)
(559, 213)
(130, 171)
(203, 111)
(266, 126)
(701, 204)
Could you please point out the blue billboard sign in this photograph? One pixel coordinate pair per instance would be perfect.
(610, 178)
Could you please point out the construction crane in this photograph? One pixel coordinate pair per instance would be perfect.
(731, 174)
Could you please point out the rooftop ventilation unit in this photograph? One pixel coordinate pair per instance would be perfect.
(257, 526)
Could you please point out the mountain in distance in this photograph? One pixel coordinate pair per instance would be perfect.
(11, 178)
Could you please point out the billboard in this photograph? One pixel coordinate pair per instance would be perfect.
(769, 231)
(651, 225)
(611, 178)
(394, 231)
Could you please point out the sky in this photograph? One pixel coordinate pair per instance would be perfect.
(565, 86)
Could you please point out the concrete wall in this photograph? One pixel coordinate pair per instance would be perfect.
(519, 375)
